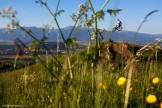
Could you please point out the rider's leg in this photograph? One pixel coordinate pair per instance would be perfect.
(117, 25)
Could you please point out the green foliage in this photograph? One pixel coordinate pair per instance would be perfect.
(144, 20)
(71, 42)
(114, 11)
(151, 13)
(59, 12)
(81, 80)
(34, 86)
(100, 15)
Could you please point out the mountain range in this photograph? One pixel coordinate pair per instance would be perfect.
(80, 33)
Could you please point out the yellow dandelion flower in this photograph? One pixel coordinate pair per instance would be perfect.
(121, 81)
(100, 85)
(161, 104)
(155, 80)
(104, 87)
(151, 99)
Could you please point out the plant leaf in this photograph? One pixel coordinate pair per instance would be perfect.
(71, 41)
(100, 14)
(150, 13)
(59, 12)
(113, 11)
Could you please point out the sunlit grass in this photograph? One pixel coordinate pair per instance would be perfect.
(87, 78)
(33, 86)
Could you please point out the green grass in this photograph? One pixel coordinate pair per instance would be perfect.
(34, 86)
(85, 79)
(7, 62)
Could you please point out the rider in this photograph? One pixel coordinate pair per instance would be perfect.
(118, 24)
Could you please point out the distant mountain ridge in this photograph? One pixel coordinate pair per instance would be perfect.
(79, 33)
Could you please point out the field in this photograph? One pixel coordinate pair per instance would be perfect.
(35, 86)
(9, 62)
(101, 74)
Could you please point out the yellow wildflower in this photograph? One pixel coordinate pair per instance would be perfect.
(130, 89)
(161, 104)
(100, 85)
(121, 81)
(151, 99)
(104, 87)
(155, 80)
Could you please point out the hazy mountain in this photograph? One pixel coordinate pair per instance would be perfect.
(79, 33)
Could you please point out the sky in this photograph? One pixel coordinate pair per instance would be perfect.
(132, 14)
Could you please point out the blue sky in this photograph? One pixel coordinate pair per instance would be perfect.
(134, 11)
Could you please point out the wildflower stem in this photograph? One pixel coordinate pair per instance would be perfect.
(89, 43)
(58, 3)
(91, 6)
(94, 52)
(64, 40)
(144, 20)
(75, 24)
(55, 75)
(31, 34)
(128, 87)
(104, 5)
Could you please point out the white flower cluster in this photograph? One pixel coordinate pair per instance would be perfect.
(10, 14)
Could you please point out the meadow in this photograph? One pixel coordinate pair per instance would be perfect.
(35, 86)
(103, 75)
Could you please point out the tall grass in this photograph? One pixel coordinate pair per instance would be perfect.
(33, 86)
(84, 79)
